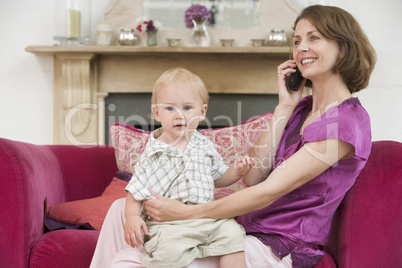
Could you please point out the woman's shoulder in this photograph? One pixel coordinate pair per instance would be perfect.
(349, 114)
(348, 121)
(349, 110)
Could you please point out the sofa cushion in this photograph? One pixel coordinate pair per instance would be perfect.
(64, 249)
(92, 210)
(326, 262)
(129, 142)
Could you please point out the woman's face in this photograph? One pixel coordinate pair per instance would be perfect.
(314, 54)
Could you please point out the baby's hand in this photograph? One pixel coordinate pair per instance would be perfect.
(132, 230)
(244, 164)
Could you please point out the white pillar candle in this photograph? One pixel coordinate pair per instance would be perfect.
(73, 23)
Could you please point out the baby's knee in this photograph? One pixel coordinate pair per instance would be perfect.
(236, 230)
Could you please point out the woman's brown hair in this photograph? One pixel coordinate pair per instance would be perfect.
(357, 56)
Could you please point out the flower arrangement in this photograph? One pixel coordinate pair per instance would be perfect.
(144, 25)
(197, 13)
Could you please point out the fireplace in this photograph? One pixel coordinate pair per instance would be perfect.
(223, 110)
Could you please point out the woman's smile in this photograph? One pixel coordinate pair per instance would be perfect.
(307, 60)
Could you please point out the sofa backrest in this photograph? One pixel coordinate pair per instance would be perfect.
(86, 170)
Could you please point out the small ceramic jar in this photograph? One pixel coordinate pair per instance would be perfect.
(227, 42)
(257, 42)
(173, 42)
(277, 37)
(104, 34)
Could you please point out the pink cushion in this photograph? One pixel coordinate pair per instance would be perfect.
(64, 249)
(92, 210)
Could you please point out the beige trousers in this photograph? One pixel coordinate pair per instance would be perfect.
(113, 251)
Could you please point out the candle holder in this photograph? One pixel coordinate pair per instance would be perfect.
(72, 22)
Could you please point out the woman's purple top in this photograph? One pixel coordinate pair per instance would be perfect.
(299, 222)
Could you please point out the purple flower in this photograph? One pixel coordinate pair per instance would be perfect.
(150, 26)
(144, 25)
(198, 13)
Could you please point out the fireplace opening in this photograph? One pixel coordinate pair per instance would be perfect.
(223, 110)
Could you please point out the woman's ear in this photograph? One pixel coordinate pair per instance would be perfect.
(155, 111)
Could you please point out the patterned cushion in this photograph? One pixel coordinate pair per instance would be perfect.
(229, 141)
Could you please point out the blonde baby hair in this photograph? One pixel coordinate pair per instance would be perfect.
(184, 78)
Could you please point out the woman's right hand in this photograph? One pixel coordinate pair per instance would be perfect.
(288, 98)
(162, 208)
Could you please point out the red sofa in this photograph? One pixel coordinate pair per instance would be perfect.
(367, 229)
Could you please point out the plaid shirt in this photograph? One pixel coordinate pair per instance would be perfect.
(186, 176)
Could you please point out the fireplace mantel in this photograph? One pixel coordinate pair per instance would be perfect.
(85, 75)
(115, 50)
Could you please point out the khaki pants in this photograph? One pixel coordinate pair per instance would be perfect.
(113, 251)
(177, 243)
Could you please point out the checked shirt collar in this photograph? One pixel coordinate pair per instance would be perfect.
(155, 146)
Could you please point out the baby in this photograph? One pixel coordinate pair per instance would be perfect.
(178, 162)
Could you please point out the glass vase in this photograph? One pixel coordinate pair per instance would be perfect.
(199, 36)
(152, 39)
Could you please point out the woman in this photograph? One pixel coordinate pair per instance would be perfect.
(310, 155)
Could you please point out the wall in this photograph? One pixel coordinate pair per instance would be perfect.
(26, 88)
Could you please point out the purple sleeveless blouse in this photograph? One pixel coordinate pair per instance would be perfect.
(299, 222)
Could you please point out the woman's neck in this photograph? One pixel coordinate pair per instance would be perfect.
(328, 94)
(325, 96)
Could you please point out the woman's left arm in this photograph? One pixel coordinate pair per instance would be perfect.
(306, 164)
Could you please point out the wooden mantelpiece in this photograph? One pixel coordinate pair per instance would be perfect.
(141, 49)
(85, 75)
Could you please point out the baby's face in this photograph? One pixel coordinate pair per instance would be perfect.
(179, 110)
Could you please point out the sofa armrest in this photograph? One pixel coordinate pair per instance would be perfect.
(368, 222)
(29, 174)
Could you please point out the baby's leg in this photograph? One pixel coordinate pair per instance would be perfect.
(210, 262)
(172, 244)
(227, 242)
